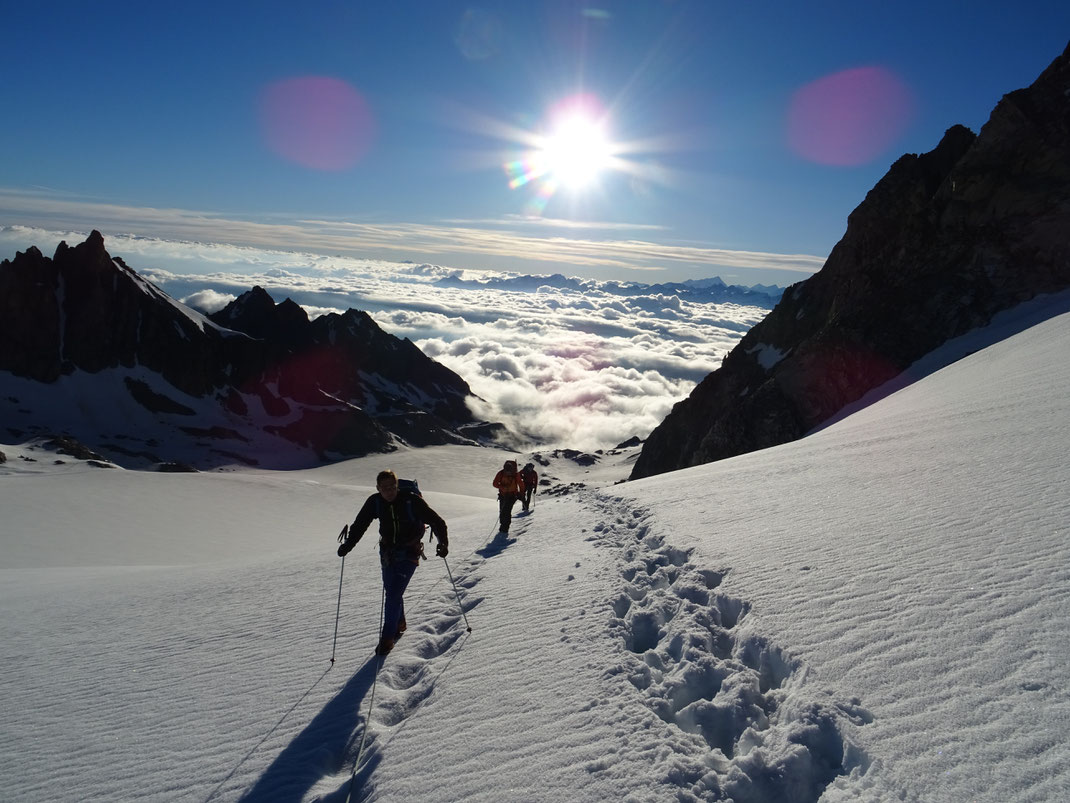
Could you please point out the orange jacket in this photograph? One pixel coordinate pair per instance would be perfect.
(508, 482)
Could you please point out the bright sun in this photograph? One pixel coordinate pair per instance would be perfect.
(570, 152)
(576, 151)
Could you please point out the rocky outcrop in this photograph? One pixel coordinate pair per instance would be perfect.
(338, 386)
(941, 244)
(349, 357)
(82, 310)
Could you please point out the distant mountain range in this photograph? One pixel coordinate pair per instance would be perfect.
(707, 291)
(940, 245)
(92, 350)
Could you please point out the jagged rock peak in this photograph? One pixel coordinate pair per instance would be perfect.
(290, 310)
(257, 296)
(95, 241)
(256, 314)
(89, 253)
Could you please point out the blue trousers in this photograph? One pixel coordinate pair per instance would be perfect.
(397, 572)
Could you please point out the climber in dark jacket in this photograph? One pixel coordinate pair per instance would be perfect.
(402, 516)
(530, 478)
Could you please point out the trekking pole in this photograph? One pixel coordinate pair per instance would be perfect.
(338, 610)
(455, 591)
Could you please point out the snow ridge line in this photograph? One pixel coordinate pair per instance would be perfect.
(755, 730)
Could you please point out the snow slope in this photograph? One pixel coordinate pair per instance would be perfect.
(876, 612)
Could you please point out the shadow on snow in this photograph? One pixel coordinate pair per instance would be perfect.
(322, 748)
(496, 546)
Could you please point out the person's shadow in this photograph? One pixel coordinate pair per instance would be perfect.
(325, 747)
(496, 546)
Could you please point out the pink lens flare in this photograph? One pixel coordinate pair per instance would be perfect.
(317, 121)
(849, 118)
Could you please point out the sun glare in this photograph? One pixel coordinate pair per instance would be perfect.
(572, 151)
(576, 152)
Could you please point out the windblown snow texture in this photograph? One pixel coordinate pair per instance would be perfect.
(876, 612)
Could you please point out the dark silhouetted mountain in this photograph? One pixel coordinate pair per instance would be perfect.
(940, 245)
(93, 350)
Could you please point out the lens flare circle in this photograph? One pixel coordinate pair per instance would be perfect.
(317, 121)
(849, 118)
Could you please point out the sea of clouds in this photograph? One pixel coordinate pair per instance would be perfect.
(566, 362)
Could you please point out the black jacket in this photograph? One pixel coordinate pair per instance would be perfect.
(401, 524)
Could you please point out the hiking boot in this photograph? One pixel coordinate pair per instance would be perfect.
(402, 627)
(385, 646)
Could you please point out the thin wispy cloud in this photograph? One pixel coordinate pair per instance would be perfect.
(499, 245)
(532, 221)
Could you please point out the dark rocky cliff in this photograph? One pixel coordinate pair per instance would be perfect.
(941, 244)
(335, 387)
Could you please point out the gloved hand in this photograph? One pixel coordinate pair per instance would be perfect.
(443, 548)
(344, 549)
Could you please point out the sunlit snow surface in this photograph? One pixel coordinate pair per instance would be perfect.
(880, 611)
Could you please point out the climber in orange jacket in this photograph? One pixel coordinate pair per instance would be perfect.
(510, 488)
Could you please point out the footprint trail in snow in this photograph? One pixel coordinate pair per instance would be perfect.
(687, 650)
(736, 719)
(408, 675)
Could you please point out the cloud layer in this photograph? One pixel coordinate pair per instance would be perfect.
(575, 363)
(586, 370)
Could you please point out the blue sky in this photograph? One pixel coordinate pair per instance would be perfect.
(725, 122)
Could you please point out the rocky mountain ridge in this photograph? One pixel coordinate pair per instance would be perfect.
(941, 244)
(110, 359)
